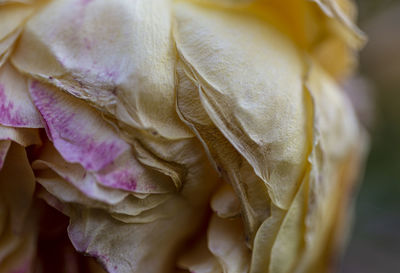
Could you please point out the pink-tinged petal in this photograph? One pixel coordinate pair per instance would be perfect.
(75, 175)
(126, 173)
(78, 132)
(72, 183)
(124, 67)
(16, 107)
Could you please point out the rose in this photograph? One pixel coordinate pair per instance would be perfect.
(207, 135)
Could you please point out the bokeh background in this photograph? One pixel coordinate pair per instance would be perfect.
(374, 245)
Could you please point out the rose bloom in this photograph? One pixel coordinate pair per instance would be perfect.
(201, 136)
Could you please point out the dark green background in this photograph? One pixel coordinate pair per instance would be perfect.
(374, 246)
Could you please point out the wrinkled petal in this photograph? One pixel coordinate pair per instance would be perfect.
(81, 136)
(108, 66)
(258, 108)
(72, 184)
(250, 190)
(95, 232)
(77, 132)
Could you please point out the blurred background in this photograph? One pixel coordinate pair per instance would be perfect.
(375, 242)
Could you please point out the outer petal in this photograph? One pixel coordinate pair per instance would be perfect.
(81, 136)
(124, 67)
(250, 84)
(333, 167)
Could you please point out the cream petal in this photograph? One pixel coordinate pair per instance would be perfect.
(23, 136)
(6, 45)
(124, 67)
(224, 202)
(226, 240)
(16, 107)
(13, 16)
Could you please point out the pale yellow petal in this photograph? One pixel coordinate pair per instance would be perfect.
(249, 189)
(250, 84)
(339, 141)
(13, 16)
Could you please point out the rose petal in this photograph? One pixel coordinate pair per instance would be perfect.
(226, 240)
(17, 239)
(23, 136)
(114, 76)
(78, 132)
(258, 108)
(249, 188)
(16, 107)
(199, 258)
